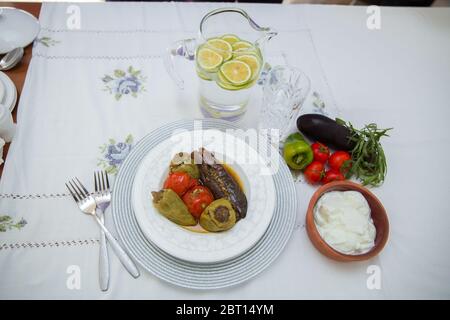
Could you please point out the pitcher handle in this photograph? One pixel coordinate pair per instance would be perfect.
(182, 48)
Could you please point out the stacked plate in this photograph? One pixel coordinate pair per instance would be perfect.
(19, 29)
(198, 260)
(8, 92)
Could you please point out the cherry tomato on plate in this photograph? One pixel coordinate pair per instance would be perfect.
(320, 151)
(314, 172)
(197, 199)
(180, 182)
(340, 161)
(332, 175)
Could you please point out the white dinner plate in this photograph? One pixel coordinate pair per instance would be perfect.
(201, 275)
(9, 98)
(18, 29)
(184, 243)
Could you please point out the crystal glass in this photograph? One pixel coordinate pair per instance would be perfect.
(284, 91)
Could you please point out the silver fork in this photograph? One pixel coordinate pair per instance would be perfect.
(102, 197)
(86, 203)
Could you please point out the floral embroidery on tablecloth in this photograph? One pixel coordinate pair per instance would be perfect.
(46, 41)
(114, 153)
(7, 223)
(124, 83)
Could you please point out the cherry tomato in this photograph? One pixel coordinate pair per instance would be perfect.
(321, 152)
(180, 182)
(197, 199)
(332, 175)
(340, 161)
(314, 172)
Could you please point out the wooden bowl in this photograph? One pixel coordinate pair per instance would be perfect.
(378, 214)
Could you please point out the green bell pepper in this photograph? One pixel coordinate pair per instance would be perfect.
(297, 153)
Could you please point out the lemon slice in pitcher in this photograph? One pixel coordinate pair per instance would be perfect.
(252, 61)
(221, 47)
(230, 38)
(236, 72)
(241, 45)
(208, 59)
(225, 84)
(202, 74)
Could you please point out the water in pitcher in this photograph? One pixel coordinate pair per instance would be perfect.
(228, 67)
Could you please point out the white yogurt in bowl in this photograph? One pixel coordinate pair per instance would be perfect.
(344, 222)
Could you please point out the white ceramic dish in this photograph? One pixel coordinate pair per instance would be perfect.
(194, 246)
(9, 98)
(18, 29)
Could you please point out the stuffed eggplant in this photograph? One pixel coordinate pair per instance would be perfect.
(222, 185)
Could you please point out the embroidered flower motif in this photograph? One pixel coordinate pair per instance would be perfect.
(114, 153)
(129, 82)
(46, 41)
(7, 223)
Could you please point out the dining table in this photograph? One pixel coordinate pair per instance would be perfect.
(71, 121)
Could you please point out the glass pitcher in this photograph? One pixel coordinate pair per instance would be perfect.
(228, 56)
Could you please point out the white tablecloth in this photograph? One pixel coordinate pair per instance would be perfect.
(397, 76)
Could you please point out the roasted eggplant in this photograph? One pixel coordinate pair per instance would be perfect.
(222, 185)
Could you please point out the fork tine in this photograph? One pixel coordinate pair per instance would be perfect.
(76, 190)
(86, 193)
(95, 181)
(107, 180)
(103, 182)
(72, 193)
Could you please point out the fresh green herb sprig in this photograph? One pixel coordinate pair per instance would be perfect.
(368, 158)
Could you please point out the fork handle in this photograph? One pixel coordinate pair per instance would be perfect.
(103, 258)
(121, 254)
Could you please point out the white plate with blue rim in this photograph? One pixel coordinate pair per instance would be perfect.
(191, 274)
(187, 243)
(19, 29)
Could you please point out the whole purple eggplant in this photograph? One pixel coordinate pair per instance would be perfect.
(320, 128)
